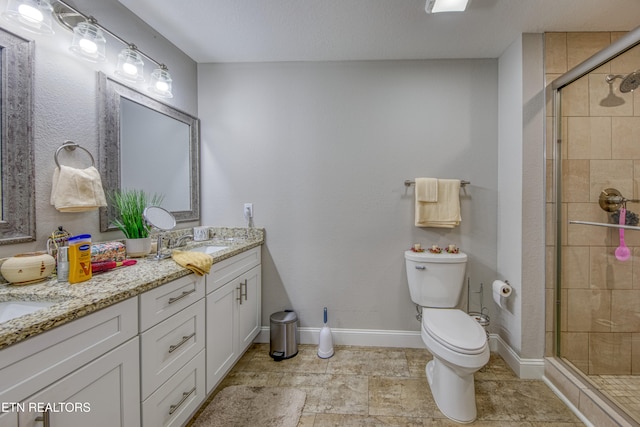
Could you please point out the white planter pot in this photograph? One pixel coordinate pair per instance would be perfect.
(137, 247)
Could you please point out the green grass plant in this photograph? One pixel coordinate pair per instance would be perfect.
(129, 206)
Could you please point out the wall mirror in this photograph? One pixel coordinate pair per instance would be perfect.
(148, 145)
(18, 217)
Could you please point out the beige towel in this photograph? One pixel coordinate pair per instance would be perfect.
(446, 212)
(77, 190)
(427, 190)
(198, 262)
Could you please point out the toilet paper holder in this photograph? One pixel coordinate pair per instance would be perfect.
(480, 316)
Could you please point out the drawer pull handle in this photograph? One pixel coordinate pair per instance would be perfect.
(420, 267)
(245, 289)
(184, 294)
(173, 348)
(44, 419)
(185, 396)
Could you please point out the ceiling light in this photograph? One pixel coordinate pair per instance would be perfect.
(32, 15)
(436, 6)
(88, 42)
(161, 82)
(130, 64)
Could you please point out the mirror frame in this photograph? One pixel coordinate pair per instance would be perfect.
(18, 219)
(110, 92)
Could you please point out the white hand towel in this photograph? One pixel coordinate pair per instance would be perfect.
(445, 213)
(427, 190)
(77, 190)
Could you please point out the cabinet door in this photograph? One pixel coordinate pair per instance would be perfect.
(221, 332)
(249, 308)
(9, 419)
(104, 393)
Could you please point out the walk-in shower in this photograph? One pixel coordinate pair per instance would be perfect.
(593, 207)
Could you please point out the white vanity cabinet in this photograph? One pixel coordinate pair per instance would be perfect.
(172, 351)
(85, 373)
(234, 302)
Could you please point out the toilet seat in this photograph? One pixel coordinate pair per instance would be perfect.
(455, 330)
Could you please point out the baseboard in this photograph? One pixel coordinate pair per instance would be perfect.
(530, 369)
(358, 337)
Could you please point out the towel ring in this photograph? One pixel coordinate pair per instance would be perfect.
(70, 146)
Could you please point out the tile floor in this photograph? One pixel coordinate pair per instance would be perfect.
(623, 390)
(373, 386)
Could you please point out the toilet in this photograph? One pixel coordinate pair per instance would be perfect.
(457, 342)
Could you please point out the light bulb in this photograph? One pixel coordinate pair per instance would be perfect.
(130, 69)
(30, 13)
(88, 46)
(162, 86)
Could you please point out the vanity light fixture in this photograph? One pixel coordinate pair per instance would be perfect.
(88, 41)
(32, 15)
(436, 6)
(130, 64)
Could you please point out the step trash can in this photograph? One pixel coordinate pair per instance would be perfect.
(284, 335)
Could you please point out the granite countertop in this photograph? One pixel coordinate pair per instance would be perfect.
(108, 288)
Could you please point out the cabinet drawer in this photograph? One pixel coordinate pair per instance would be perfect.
(29, 366)
(166, 347)
(177, 399)
(231, 268)
(166, 300)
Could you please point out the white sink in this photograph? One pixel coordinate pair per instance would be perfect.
(209, 249)
(12, 309)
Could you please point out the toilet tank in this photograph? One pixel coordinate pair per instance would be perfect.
(435, 280)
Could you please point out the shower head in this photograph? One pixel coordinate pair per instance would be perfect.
(630, 82)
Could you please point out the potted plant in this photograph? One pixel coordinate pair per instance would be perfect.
(129, 206)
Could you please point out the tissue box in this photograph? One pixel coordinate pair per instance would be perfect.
(108, 251)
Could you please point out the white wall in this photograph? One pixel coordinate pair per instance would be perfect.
(323, 149)
(520, 323)
(66, 105)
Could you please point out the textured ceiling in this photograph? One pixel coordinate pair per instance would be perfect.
(332, 30)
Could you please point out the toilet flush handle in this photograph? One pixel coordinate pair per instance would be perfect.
(420, 267)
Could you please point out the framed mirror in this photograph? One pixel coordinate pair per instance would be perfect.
(150, 146)
(18, 216)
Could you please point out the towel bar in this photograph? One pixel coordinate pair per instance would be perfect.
(70, 146)
(408, 183)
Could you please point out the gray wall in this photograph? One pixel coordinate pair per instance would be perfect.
(323, 149)
(66, 105)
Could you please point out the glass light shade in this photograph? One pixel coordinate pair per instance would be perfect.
(88, 42)
(161, 83)
(130, 65)
(436, 6)
(32, 15)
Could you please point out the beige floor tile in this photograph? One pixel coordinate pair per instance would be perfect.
(407, 397)
(522, 400)
(366, 386)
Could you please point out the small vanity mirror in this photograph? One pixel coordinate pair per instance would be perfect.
(162, 220)
(148, 145)
(159, 218)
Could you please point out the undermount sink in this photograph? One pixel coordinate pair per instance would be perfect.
(11, 309)
(209, 249)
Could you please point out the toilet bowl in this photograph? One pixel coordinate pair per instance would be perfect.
(459, 348)
(457, 342)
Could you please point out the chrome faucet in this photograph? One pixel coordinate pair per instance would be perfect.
(180, 241)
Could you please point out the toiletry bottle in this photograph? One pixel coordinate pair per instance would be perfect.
(62, 268)
(79, 258)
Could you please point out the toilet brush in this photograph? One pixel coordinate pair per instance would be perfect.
(325, 347)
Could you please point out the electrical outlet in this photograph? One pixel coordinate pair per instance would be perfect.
(248, 211)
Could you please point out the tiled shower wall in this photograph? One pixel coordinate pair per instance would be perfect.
(600, 297)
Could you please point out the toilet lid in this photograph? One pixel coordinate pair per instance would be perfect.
(454, 329)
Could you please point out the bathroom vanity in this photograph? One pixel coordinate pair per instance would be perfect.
(137, 346)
